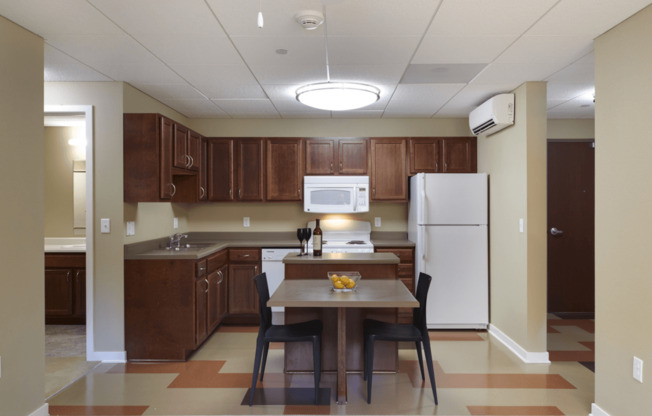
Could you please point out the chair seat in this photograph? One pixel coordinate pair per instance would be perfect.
(302, 331)
(389, 331)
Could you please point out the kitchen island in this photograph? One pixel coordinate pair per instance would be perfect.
(371, 266)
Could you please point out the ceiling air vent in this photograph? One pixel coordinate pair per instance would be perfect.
(309, 19)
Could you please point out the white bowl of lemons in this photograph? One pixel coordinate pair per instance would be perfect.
(344, 281)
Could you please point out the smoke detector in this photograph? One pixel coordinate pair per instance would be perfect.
(309, 19)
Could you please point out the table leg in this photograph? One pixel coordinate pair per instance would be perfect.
(341, 355)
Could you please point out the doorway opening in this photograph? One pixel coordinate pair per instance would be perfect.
(68, 244)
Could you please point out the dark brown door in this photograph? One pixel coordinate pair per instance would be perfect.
(284, 169)
(249, 167)
(458, 154)
(220, 170)
(352, 157)
(571, 194)
(320, 156)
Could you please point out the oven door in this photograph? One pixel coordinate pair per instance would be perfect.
(335, 199)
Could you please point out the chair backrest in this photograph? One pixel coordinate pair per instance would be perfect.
(419, 314)
(263, 296)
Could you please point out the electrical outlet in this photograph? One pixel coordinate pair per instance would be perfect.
(245, 222)
(377, 222)
(638, 370)
(520, 224)
(175, 223)
(131, 228)
(105, 225)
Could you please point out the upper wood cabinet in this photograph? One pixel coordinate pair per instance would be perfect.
(148, 161)
(219, 169)
(284, 169)
(203, 171)
(388, 169)
(187, 148)
(442, 155)
(249, 168)
(337, 156)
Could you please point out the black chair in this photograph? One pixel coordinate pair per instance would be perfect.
(417, 332)
(303, 331)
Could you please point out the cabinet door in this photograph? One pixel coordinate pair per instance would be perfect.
(201, 305)
(424, 155)
(249, 168)
(213, 300)
(203, 172)
(181, 158)
(389, 172)
(166, 187)
(222, 293)
(320, 156)
(193, 149)
(284, 169)
(353, 158)
(242, 291)
(79, 287)
(459, 155)
(58, 292)
(220, 169)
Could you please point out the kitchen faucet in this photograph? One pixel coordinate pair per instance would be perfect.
(175, 240)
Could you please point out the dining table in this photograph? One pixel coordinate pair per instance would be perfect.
(369, 293)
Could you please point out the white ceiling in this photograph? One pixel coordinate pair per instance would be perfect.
(430, 58)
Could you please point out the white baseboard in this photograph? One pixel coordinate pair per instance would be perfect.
(41, 411)
(524, 355)
(597, 411)
(107, 356)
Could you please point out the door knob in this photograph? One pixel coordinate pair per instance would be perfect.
(555, 231)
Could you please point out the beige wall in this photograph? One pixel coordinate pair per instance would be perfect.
(623, 196)
(515, 160)
(59, 179)
(571, 129)
(22, 331)
(106, 99)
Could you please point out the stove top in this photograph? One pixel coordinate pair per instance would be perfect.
(345, 236)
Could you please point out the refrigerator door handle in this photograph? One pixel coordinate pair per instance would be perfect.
(424, 249)
(422, 214)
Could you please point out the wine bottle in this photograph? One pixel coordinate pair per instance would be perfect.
(316, 240)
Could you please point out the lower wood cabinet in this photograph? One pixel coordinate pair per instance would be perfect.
(405, 273)
(65, 288)
(244, 265)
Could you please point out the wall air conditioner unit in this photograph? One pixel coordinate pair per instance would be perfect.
(493, 115)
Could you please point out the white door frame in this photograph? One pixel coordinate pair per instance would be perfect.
(87, 111)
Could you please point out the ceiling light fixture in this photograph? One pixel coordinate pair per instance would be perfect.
(260, 14)
(332, 96)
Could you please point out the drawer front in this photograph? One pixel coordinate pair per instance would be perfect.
(77, 261)
(244, 255)
(217, 260)
(201, 268)
(406, 255)
(406, 270)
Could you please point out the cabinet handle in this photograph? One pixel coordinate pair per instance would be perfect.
(203, 192)
(207, 285)
(299, 192)
(219, 272)
(230, 193)
(331, 166)
(374, 191)
(174, 189)
(340, 167)
(239, 193)
(68, 276)
(192, 161)
(436, 166)
(256, 269)
(188, 162)
(446, 166)
(244, 255)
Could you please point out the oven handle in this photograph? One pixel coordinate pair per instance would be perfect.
(357, 195)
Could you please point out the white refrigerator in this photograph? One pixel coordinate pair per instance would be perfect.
(448, 223)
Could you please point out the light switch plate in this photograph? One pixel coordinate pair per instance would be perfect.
(638, 370)
(245, 222)
(520, 225)
(105, 225)
(377, 222)
(131, 228)
(175, 223)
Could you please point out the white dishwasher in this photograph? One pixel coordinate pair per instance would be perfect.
(275, 269)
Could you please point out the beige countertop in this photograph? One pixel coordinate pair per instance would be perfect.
(342, 258)
(64, 245)
(212, 242)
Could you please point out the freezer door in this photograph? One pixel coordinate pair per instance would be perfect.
(456, 198)
(457, 259)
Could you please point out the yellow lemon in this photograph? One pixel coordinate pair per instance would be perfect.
(344, 279)
(338, 285)
(351, 284)
(334, 278)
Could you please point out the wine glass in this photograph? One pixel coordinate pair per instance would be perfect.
(301, 236)
(307, 233)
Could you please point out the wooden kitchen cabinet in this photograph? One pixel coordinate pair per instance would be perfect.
(244, 265)
(459, 154)
(65, 288)
(203, 172)
(388, 169)
(187, 148)
(424, 155)
(284, 177)
(150, 174)
(249, 168)
(337, 156)
(220, 169)
(405, 273)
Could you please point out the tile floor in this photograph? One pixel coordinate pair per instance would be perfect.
(475, 375)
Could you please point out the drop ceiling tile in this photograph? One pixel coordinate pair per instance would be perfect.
(514, 74)
(441, 73)
(469, 98)
(161, 16)
(45, 17)
(371, 50)
(96, 50)
(579, 71)
(221, 81)
(562, 91)
(369, 74)
(196, 108)
(229, 91)
(180, 49)
(380, 17)
(239, 17)
(248, 108)
(263, 50)
(585, 17)
(561, 50)
(487, 18)
(420, 100)
(170, 91)
(581, 107)
(293, 107)
(461, 49)
(60, 67)
(289, 74)
(152, 72)
(358, 114)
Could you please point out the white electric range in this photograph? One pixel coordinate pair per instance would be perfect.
(344, 236)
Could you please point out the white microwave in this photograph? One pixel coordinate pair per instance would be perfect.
(336, 194)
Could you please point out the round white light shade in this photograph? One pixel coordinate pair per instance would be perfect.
(337, 96)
